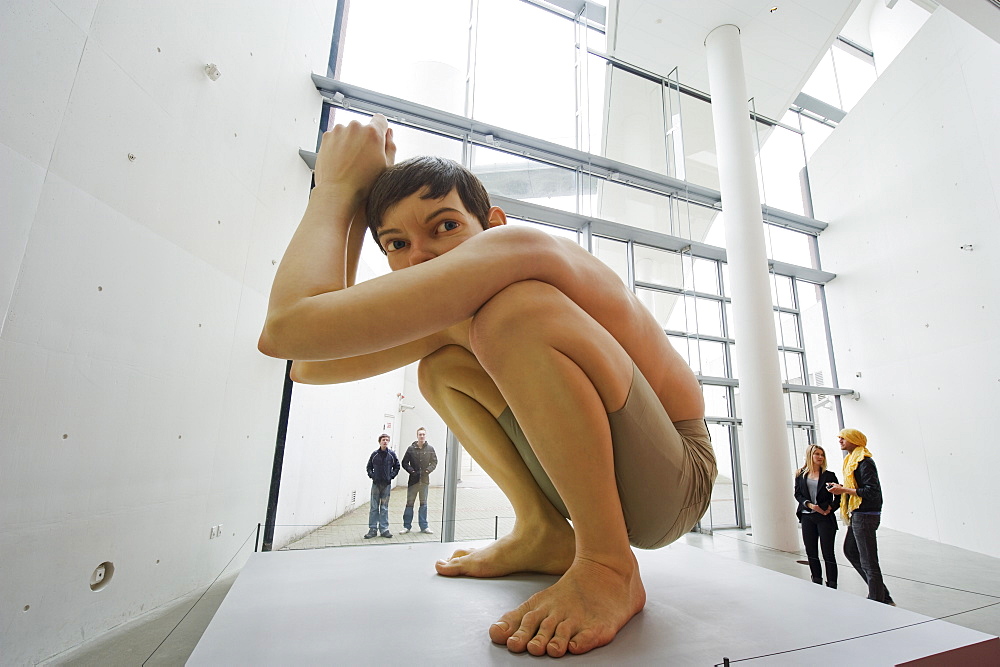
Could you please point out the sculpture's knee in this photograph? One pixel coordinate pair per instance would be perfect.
(524, 311)
(435, 369)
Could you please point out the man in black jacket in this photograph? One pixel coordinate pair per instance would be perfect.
(383, 466)
(420, 461)
(861, 508)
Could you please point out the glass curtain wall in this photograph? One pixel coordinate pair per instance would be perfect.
(557, 85)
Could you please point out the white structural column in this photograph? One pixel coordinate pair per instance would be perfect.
(765, 437)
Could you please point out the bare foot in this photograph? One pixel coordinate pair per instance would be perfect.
(585, 609)
(548, 550)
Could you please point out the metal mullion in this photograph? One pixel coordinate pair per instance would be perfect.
(630, 264)
(802, 339)
(716, 381)
(676, 290)
(812, 389)
(470, 62)
(711, 339)
(515, 143)
(833, 363)
(567, 14)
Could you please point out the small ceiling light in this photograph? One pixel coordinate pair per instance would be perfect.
(774, 9)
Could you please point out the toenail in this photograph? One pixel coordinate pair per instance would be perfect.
(502, 625)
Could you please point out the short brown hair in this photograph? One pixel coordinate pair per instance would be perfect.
(384, 435)
(438, 176)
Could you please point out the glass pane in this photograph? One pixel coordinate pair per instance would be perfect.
(814, 327)
(791, 368)
(683, 346)
(598, 72)
(781, 291)
(697, 223)
(745, 474)
(799, 438)
(854, 75)
(782, 162)
(657, 267)
(786, 329)
(823, 83)
(705, 315)
(787, 245)
(664, 307)
(827, 428)
(436, 44)
(525, 179)
(734, 358)
(716, 400)
(796, 406)
(815, 134)
(614, 254)
(713, 358)
(722, 509)
(703, 275)
(513, 84)
(635, 132)
(700, 162)
(618, 202)
(482, 511)
(737, 403)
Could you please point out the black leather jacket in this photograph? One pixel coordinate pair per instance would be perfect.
(869, 489)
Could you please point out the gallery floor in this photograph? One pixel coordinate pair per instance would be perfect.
(927, 578)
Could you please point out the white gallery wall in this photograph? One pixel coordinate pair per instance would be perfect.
(908, 179)
(143, 208)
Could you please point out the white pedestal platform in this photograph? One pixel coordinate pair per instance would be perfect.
(373, 605)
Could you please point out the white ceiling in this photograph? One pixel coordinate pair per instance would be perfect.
(780, 48)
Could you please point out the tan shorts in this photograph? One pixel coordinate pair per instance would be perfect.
(664, 470)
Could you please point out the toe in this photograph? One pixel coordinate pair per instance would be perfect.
(500, 632)
(449, 568)
(556, 647)
(539, 643)
(453, 566)
(530, 622)
(586, 640)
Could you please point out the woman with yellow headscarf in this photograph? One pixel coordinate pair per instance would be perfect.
(861, 509)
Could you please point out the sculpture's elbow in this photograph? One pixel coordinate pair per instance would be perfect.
(268, 343)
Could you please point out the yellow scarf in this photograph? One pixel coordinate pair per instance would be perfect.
(848, 502)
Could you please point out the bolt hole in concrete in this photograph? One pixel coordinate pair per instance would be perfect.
(102, 575)
(27, 607)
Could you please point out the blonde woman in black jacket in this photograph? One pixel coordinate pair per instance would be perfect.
(817, 513)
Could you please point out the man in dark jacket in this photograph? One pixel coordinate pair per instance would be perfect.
(383, 466)
(861, 508)
(420, 461)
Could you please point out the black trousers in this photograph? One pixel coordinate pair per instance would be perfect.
(819, 530)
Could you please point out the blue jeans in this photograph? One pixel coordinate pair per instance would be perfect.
(411, 496)
(861, 549)
(378, 515)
